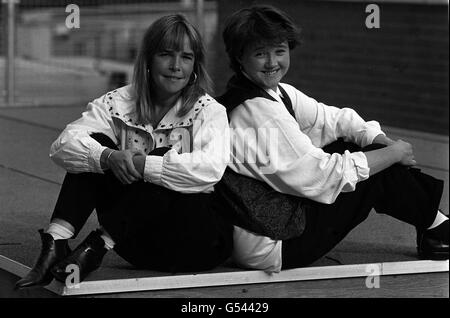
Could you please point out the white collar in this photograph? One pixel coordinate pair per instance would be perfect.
(123, 108)
(275, 94)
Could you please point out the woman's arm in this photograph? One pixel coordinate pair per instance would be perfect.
(202, 167)
(328, 123)
(383, 139)
(122, 163)
(139, 163)
(288, 160)
(74, 149)
(345, 123)
(398, 152)
(291, 163)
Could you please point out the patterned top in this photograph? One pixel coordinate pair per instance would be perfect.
(199, 141)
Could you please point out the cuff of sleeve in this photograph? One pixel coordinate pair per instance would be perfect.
(371, 136)
(153, 169)
(373, 131)
(94, 158)
(361, 165)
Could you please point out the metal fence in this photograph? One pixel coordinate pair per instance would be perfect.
(55, 53)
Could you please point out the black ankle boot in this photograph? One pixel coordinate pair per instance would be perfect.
(51, 252)
(433, 244)
(87, 257)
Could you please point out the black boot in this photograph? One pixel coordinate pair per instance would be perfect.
(51, 252)
(433, 244)
(87, 256)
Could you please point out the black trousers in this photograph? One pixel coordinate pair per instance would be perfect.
(153, 227)
(401, 192)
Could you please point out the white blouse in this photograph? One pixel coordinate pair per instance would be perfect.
(290, 159)
(199, 141)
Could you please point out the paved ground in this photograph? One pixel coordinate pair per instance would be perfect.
(42, 83)
(30, 182)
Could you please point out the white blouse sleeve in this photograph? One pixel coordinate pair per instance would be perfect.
(74, 149)
(290, 162)
(325, 124)
(200, 169)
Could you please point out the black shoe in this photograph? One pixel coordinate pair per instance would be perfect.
(51, 252)
(87, 256)
(433, 244)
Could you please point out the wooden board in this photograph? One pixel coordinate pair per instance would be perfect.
(236, 277)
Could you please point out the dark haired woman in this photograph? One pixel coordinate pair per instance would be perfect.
(146, 157)
(332, 161)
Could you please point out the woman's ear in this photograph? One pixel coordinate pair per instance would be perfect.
(239, 58)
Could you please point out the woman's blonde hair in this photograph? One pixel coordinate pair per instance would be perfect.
(169, 32)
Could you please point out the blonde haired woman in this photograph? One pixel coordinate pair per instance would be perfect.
(146, 157)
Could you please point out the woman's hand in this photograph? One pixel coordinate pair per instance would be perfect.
(121, 164)
(139, 162)
(404, 152)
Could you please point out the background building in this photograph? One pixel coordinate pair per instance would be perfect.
(397, 74)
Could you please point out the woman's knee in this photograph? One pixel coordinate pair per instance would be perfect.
(340, 146)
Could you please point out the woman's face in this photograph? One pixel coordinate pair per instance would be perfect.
(171, 70)
(266, 64)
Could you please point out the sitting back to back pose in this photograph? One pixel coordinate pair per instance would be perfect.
(146, 156)
(328, 165)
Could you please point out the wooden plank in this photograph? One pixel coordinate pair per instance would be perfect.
(397, 268)
(13, 267)
(238, 277)
(255, 277)
(391, 286)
